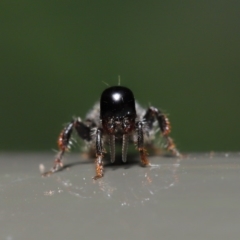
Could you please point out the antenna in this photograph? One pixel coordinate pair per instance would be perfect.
(119, 80)
(106, 83)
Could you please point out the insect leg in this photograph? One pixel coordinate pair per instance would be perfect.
(164, 125)
(99, 155)
(140, 141)
(83, 129)
(64, 141)
(124, 147)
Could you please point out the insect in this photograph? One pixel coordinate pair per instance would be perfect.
(116, 118)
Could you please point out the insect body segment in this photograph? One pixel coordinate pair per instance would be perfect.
(117, 118)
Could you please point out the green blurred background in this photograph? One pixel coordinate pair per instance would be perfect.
(181, 56)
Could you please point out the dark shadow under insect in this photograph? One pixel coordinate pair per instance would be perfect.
(116, 118)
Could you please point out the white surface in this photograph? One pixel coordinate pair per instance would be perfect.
(197, 197)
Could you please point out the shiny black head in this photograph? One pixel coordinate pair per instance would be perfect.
(117, 106)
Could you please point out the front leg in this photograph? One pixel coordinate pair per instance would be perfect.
(164, 125)
(140, 142)
(63, 145)
(64, 141)
(99, 155)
